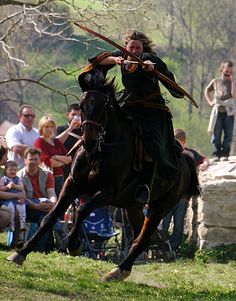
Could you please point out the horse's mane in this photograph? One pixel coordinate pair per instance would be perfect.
(110, 88)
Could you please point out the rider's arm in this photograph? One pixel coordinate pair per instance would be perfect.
(112, 60)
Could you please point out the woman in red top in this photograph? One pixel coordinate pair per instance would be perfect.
(53, 151)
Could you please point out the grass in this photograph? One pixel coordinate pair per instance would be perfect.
(60, 277)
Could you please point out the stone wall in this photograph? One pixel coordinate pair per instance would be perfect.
(212, 218)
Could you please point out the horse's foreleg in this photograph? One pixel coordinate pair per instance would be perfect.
(139, 245)
(100, 199)
(67, 196)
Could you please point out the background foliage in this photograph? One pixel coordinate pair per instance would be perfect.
(41, 45)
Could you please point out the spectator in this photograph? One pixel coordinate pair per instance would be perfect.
(4, 212)
(12, 183)
(179, 211)
(22, 135)
(223, 110)
(73, 125)
(39, 188)
(4, 195)
(53, 152)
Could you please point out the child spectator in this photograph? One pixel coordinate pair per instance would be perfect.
(12, 183)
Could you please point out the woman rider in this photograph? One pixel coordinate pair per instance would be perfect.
(145, 103)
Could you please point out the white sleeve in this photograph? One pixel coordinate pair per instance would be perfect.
(13, 137)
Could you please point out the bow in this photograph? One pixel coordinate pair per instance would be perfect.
(136, 58)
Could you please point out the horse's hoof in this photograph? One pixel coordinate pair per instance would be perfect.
(76, 252)
(115, 274)
(16, 258)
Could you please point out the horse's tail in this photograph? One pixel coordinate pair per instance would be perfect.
(194, 189)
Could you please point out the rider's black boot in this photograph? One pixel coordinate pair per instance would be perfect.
(142, 193)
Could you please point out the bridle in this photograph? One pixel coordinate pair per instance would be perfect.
(88, 121)
(100, 125)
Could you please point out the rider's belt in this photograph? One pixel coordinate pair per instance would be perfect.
(151, 105)
(146, 98)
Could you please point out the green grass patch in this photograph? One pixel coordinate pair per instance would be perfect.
(60, 277)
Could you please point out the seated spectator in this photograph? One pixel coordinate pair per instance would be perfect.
(12, 183)
(40, 193)
(179, 211)
(53, 152)
(4, 195)
(4, 212)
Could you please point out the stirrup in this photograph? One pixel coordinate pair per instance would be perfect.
(142, 194)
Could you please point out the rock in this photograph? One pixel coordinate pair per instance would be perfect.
(212, 217)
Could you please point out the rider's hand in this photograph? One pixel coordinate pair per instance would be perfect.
(119, 60)
(149, 66)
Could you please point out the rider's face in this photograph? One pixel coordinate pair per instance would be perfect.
(135, 47)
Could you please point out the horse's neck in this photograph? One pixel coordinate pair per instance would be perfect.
(116, 127)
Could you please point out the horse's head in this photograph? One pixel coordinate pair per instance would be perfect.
(93, 106)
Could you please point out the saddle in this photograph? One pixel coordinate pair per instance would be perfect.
(138, 145)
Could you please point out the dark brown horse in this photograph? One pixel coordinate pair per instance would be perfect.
(103, 169)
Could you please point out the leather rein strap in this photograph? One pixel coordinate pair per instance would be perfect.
(99, 125)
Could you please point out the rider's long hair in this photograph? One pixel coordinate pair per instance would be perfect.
(137, 35)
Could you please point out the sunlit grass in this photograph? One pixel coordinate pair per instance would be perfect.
(60, 277)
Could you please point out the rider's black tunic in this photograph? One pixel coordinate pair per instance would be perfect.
(142, 86)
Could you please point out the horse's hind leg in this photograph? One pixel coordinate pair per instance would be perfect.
(136, 219)
(138, 246)
(68, 194)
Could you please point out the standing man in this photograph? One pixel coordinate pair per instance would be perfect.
(223, 110)
(64, 132)
(179, 211)
(73, 125)
(22, 135)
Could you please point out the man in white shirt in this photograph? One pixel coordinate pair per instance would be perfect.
(22, 135)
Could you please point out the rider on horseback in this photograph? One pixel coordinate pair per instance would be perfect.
(144, 102)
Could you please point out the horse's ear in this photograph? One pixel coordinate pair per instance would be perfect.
(83, 81)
